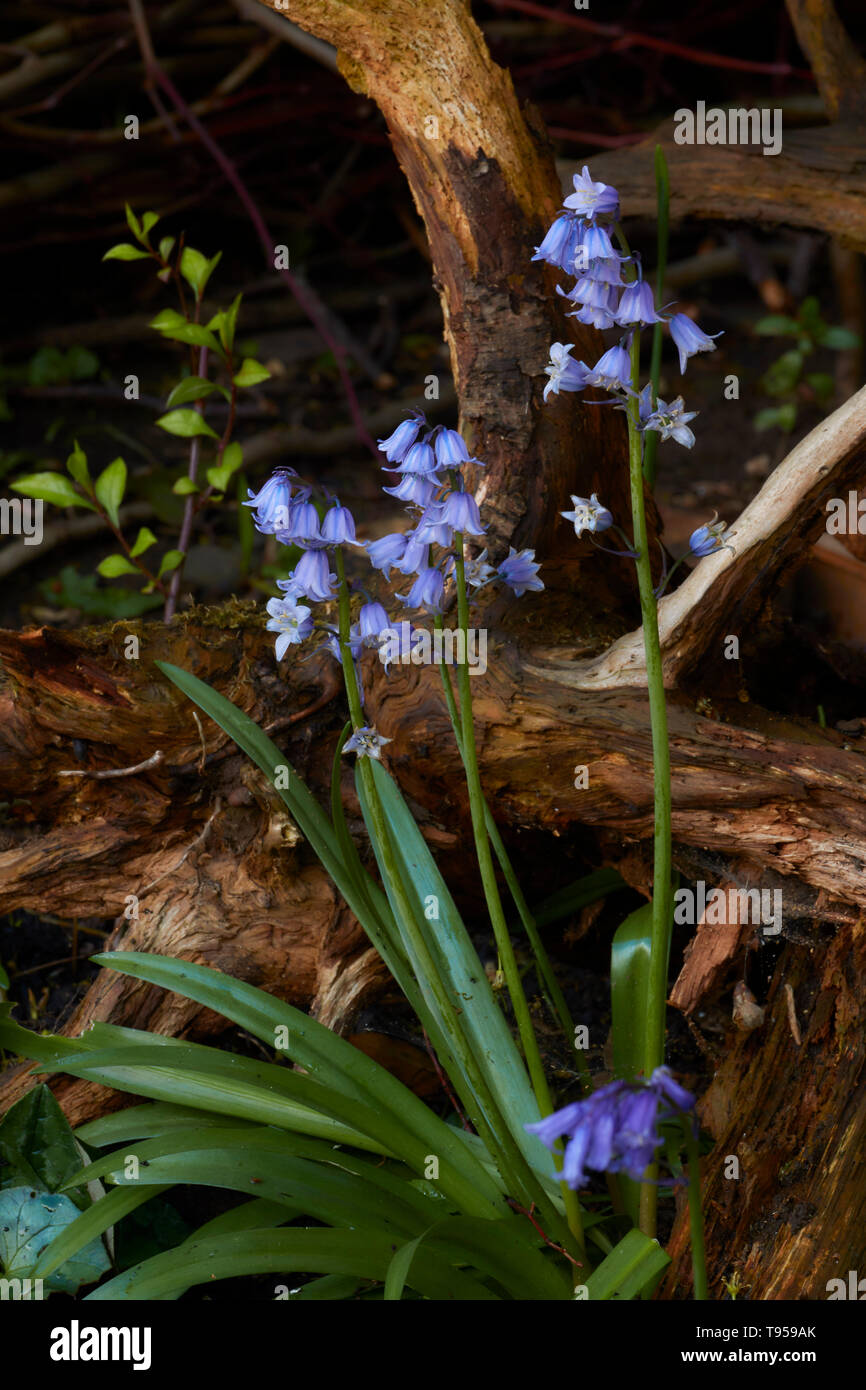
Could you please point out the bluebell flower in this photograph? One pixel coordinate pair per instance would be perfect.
(366, 743)
(477, 572)
(338, 526)
(561, 242)
(272, 501)
(616, 1129)
(600, 316)
(588, 515)
(637, 305)
(672, 421)
(520, 571)
(689, 338)
(707, 538)
(431, 529)
(593, 294)
(612, 371)
(386, 551)
(426, 592)
(591, 200)
(414, 557)
(291, 620)
(303, 526)
(398, 444)
(451, 450)
(565, 374)
(311, 577)
(413, 487)
(606, 269)
(460, 511)
(597, 244)
(419, 459)
(371, 621)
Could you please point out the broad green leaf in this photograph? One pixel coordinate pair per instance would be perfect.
(170, 561)
(184, 486)
(192, 388)
(470, 992)
(250, 373)
(148, 222)
(398, 1269)
(186, 423)
(629, 984)
(147, 1122)
(110, 487)
(232, 459)
(782, 377)
(51, 487)
(77, 466)
(326, 1057)
(36, 1143)
(366, 1254)
(166, 246)
(143, 541)
(125, 252)
(114, 565)
(635, 1262)
(29, 1221)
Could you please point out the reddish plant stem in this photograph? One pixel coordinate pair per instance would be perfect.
(624, 38)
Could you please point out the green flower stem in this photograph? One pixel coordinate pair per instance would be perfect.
(654, 1041)
(477, 809)
(556, 997)
(663, 197)
(519, 1178)
(696, 1217)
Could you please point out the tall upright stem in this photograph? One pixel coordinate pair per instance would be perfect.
(654, 1046)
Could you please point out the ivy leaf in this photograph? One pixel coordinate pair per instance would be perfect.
(123, 251)
(143, 541)
(170, 561)
(114, 565)
(251, 373)
(110, 487)
(186, 423)
(184, 486)
(51, 487)
(77, 466)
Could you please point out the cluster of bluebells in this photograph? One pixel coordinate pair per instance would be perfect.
(610, 293)
(615, 1130)
(428, 467)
